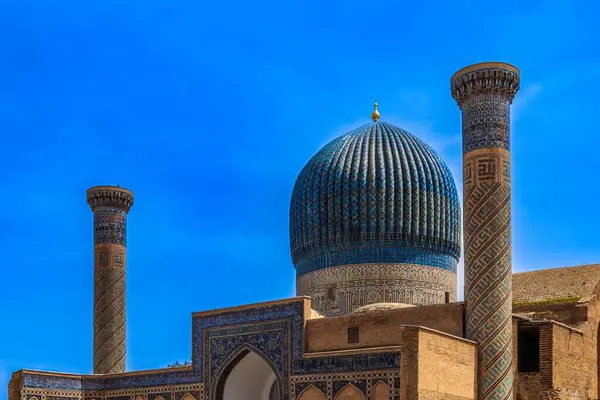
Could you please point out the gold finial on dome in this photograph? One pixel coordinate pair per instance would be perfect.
(375, 115)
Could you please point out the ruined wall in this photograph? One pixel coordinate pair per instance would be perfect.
(567, 312)
(571, 374)
(568, 354)
(536, 385)
(567, 368)
(575, 372)
(381, 328)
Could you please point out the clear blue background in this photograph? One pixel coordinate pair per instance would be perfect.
(208, 111)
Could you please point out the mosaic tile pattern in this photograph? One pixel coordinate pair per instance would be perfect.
(61, 398)
(277, 333)
(354, 286)
(110, 207)
(302, 386)
(376, 194)
(110, 225)
(52, 382)
(379, 251)
(338, 386)
(159, 395)
(109, 309)
(332, 384)
(174, 392)
(484, 94)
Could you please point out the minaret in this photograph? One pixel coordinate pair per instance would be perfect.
(110, 206)
(484, 93)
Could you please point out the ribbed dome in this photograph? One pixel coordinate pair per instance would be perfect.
(375, 195)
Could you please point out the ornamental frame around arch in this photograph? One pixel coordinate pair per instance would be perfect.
(311, 387)
(350, 387)
(188, 396)
(377, 384)
(246, 347)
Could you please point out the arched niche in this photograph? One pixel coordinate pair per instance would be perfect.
(248, 376)
(188, 396)
(381, 391)
(350, 392)
(312, 393)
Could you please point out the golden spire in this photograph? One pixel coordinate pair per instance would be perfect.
(375, 115)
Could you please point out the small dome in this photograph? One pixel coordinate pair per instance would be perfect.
(377, 194)
(381, 307)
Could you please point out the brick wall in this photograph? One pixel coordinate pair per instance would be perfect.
(435, 366)
(447, 367)
(567, 368)
(409, 364)
(14, 387)
(381, 328)
(571, 372)
(528, 386)
(567, 313)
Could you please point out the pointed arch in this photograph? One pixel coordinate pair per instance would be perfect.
(381, 391)
(188, 396)
(159, 398)
(350, 392)
(240, 353)
(140, 398)
(312, 393)
(246, 374)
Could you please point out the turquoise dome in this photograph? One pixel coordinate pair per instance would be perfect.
(377, 194)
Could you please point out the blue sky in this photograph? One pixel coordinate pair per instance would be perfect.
(209, 110)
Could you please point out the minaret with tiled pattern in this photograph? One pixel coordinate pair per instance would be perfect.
(484, 93)
(110, 206)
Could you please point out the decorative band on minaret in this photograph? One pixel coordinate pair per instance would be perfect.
(484, 93)
(110, 206)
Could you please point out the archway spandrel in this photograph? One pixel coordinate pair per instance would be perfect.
(312, 393)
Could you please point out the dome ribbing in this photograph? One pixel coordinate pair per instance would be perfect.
(377, 194)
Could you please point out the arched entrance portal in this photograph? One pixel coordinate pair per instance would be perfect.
(248, 377)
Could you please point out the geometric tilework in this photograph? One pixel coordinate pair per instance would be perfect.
(381, 252)
(484, 93)
(332, 385)
(376, 194)
(354, 286)
(109, 309)
(110, 206)
(193, 391)
(110, 225)
(275, 332)
(488, 275)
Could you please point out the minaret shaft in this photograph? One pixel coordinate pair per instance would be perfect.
(110, 206)
(484, 93)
